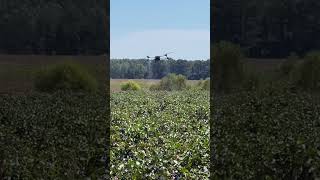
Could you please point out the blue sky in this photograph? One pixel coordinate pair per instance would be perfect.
(154, 27)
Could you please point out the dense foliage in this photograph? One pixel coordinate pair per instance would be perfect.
(54, 26)
(144, 69)
(308, 76)
(268, 135)
(130, 86)
(232, 73)
(160, 135)
(204, 84)
(67, 76)
(286, 67)
(171, 82)
(53, 136)
(268, 28)
(227, 66)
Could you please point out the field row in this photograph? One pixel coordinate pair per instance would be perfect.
(160, 135)
(56, 136)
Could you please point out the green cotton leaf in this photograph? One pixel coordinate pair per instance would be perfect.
(184, 170)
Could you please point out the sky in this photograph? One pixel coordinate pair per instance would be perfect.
(140, 28)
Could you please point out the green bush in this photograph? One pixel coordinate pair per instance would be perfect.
(67, 76)
(154, 87)
(288, 65)
(204, 84)
(171, 82)
(307, 73)
(227, 66)
(130, 86)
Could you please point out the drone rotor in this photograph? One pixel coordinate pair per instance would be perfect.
(157, 58)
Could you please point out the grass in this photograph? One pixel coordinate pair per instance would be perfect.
(17, 71)
(115, 84)
(263, 64)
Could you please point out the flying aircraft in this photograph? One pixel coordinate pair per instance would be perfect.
(158, 58)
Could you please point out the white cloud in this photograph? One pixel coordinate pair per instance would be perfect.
(186, 44)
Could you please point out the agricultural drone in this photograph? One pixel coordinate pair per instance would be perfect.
(158, 58)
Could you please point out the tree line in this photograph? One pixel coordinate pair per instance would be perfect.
(146, 69)
(268, 28)
(53, 26)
